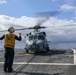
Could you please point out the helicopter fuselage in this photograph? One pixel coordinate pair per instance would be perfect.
(36, 42)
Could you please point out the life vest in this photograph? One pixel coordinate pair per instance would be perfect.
(9, 40)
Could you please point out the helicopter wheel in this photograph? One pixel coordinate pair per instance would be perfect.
(27, 51)
(47, 49)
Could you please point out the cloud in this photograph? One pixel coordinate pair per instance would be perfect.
(2, 1)
(66, 7)
(58, 31)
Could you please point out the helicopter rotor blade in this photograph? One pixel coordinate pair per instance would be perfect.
(68, 25)
(48, 13)
(35, 27)
(40, 22)
(71, 25)
(44, 16)
(22, 29)
(39, 27)
(16, 29)
(3, 30)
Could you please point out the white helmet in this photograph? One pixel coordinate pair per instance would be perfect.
(11, 29)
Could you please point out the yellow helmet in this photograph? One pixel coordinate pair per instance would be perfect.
(11, 29)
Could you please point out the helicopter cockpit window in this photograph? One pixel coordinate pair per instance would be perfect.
(35, 36)
(27, 38)
(30, 37)
(41, 37)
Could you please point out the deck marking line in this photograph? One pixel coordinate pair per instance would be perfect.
(31, 63)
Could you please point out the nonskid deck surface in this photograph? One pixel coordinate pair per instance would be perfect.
(59, 62)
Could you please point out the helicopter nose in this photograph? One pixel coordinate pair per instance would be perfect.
(34, 42)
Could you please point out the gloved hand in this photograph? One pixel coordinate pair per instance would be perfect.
(19, 34)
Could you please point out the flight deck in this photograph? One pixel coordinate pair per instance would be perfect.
(58, 62)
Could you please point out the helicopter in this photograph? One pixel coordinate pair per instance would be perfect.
(36, 41)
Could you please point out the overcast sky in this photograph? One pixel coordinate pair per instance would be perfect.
(61, 29)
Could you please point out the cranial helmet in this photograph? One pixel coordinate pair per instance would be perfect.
(11, 29)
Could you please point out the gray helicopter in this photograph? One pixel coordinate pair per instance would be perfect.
(36, 41)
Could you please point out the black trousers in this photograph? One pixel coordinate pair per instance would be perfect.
(9, 56)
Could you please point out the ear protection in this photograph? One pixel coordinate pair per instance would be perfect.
(11, 29)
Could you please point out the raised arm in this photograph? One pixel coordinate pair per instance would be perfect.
(18, 38)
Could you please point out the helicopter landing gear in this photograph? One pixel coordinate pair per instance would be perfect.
(27, 51)
(47, 49)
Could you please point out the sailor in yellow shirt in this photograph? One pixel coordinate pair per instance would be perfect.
(9, 43)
